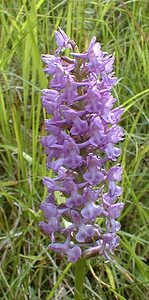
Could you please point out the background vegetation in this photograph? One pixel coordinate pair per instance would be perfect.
(28, 269)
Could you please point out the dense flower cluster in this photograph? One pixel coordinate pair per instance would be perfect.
(80, 148)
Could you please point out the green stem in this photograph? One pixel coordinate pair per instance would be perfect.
(79, 279)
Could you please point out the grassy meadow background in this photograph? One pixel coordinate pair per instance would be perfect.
(28, 269)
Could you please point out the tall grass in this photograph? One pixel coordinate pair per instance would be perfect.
(28, 269)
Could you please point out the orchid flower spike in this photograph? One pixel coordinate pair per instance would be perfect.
(81, 150)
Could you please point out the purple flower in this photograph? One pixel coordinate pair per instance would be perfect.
(115, 173)
(80, 145)
(49, 100)
(70, 91)
(114, 210)
(90, 210)
(97, 132)
(74, 254)
(62, 40)
(112, 152)
(75, 199)
(72, 159)
(51, 227)
(93, 175)
(79, 127)
(49, 210)
(84, 230)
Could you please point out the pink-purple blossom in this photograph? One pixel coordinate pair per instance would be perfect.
(81, 150)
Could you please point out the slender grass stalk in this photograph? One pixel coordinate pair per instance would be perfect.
(79, 278)
(52, 292)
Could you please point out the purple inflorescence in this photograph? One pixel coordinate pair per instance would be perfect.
(81, 149)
